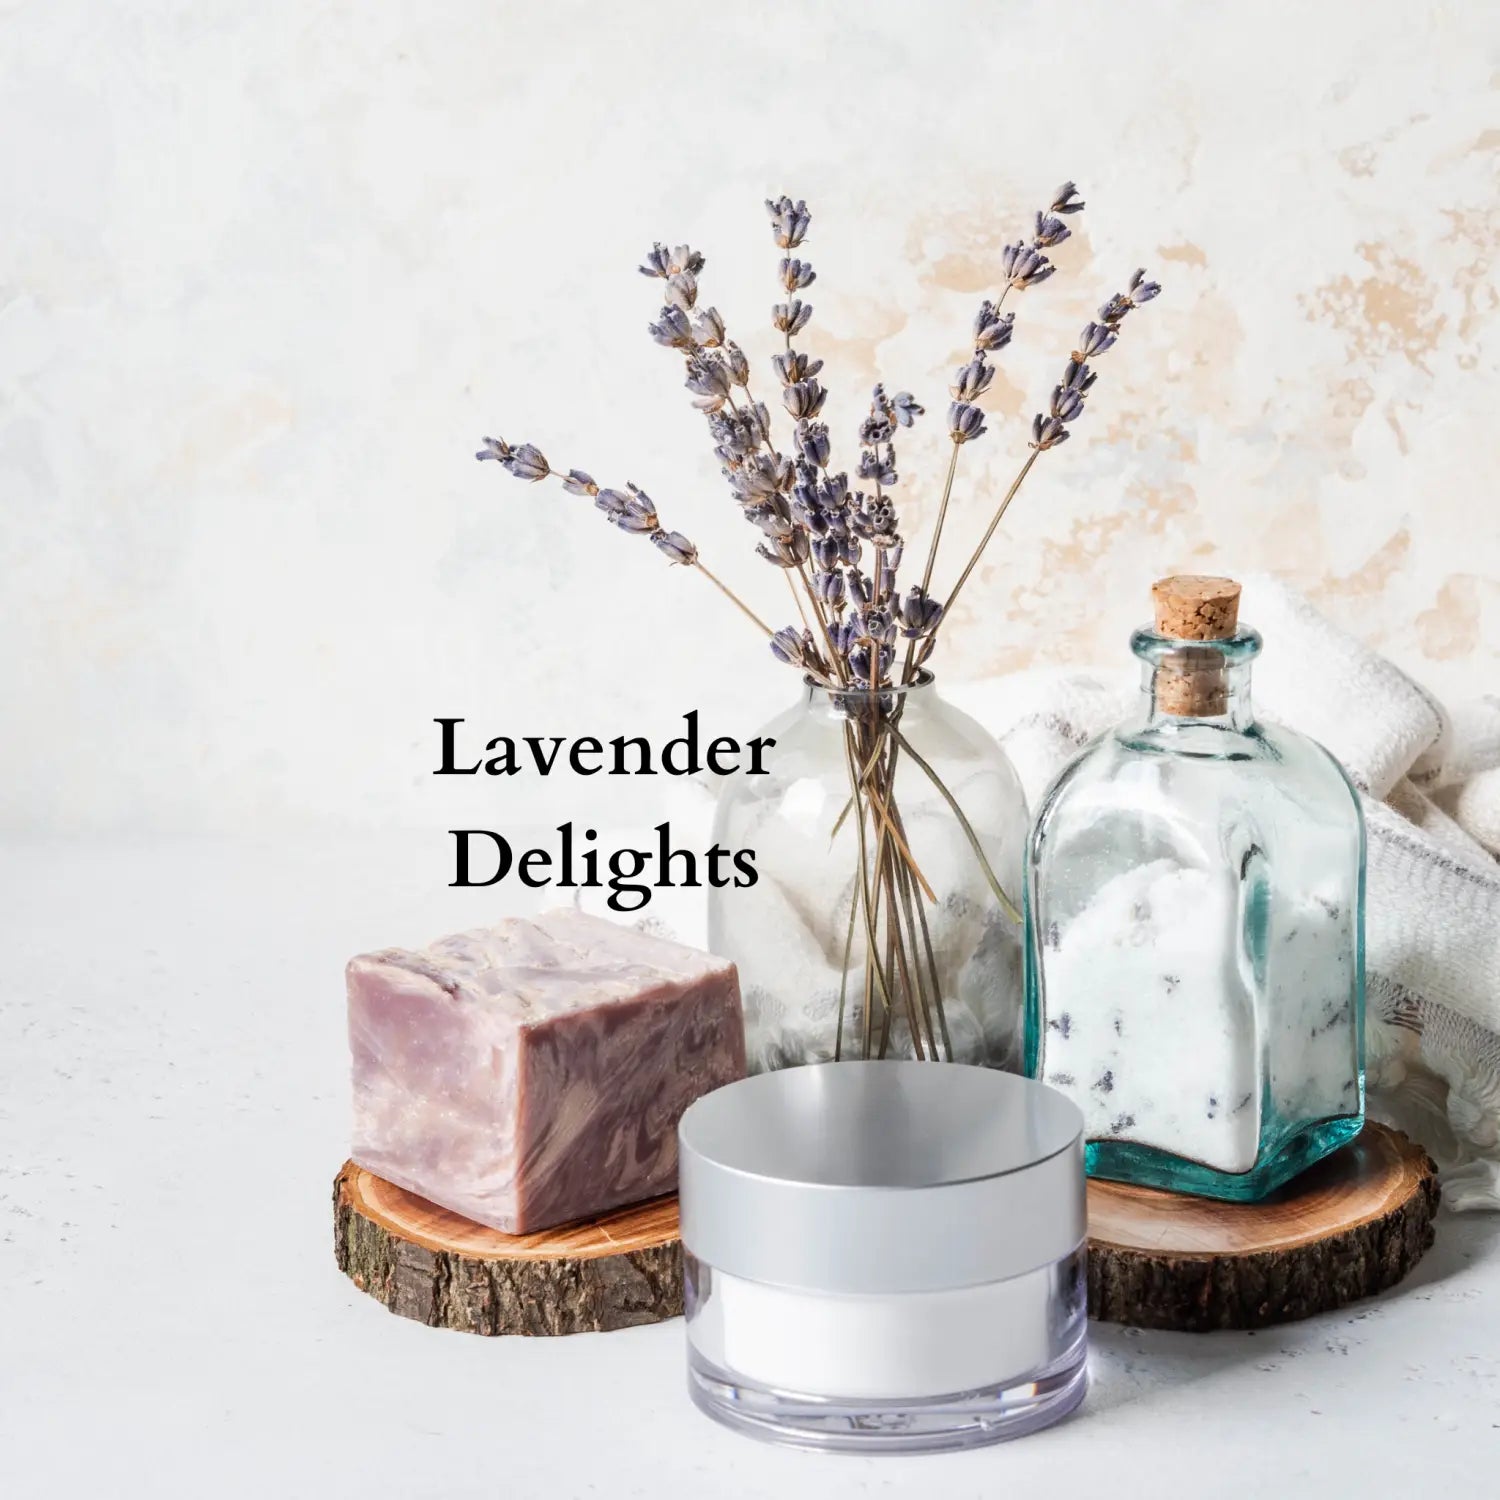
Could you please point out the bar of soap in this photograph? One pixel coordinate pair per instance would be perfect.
(532, 1073)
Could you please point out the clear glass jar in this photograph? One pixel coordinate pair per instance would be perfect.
(800, 936)
(1195, 936)
(914, 1372)
(884, 1257)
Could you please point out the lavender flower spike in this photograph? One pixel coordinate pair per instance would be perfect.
(1066, 403)
(830, 587)
(992, 329)
(804, 400)
(1078, 377)
(1066, 200)
(675, 547)
(658, 262)
(682, 290)
(827, 551)
(791, 366)
(813, 443)
(860, 666)
(1050, 231)
(965, 422)
(786, 645)
(1140, 290)
(663, 262)
(529, 463)
(878, 463)
(1024, 265)
(791, 317)
(708, 327)
(673, 329)
(796, 274)
(905, 409)
(972, 379)
(785, 552)
(708, 377)
(1096, 338)
(1047, 432)
(632, 512)
(496, 448)
(789, 221)
(918, 614)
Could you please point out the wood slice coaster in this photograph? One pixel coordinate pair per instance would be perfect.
(617, 1271)
(1348, 1227)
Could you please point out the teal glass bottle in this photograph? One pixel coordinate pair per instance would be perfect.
(1195, 925)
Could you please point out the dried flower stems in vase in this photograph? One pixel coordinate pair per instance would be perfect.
(861, 644)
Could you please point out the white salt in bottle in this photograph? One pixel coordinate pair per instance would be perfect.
(1195, 925)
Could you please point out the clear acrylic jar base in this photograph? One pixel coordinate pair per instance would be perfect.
(1121, 1161)
(968, 1419)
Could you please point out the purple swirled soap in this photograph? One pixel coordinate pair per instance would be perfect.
(532, 1073)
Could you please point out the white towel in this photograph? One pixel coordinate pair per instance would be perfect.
(1430, 783)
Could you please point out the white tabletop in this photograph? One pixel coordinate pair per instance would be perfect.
(172, 1112)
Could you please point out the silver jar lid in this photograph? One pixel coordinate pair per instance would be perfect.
(881, 1177)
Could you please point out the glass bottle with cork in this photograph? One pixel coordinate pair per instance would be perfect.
(1195, 925)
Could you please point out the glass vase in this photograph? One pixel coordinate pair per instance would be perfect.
(888, 823)
(1195, 921)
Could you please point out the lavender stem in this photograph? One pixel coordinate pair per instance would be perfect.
(984, 541)
(735, 599)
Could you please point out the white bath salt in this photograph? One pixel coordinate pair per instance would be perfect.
(1168, 1032)
(1312, 1046)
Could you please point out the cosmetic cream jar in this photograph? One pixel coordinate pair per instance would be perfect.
(884, 1256)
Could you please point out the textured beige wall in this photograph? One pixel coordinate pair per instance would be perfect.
(272, 270)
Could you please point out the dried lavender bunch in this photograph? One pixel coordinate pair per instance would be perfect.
(840, 546)
(806, 532)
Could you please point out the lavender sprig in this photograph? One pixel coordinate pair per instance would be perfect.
(1025, 265)
(631, 510)
(1050, 429)
(875, 516)
(758, 475)
(801, 393)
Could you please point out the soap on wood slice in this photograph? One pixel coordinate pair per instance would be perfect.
(1348, 1227)
(423, 1262)
(533, 1072)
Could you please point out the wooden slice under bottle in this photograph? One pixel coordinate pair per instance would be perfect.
(1350, 1226)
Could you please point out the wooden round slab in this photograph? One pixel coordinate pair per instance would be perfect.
(617, 1271)
(1348, 1227)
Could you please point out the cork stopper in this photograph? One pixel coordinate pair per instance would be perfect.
(1193, 608)
(1192, 683)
